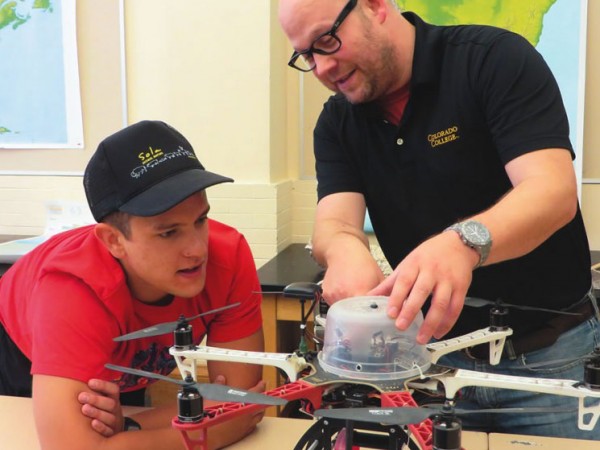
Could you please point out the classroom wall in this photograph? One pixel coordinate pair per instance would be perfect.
(590, 196)
(209, 69)
(31, 177)
(217, 71)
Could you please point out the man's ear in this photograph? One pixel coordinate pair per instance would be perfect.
(111, 238)
(377, 9)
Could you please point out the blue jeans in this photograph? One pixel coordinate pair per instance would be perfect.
(573, 343)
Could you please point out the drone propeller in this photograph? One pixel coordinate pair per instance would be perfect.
(480, 302)
(407, 415)
(167, 327)
(389, 416)
(217, 392)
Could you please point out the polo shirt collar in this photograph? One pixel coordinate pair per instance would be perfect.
(427, 54)
(426, 60)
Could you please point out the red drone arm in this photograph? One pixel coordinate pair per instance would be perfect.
(217, 414)
(421, 431)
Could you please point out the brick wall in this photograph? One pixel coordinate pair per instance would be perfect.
(270, 216)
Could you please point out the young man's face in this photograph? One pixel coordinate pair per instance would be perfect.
(168, 253)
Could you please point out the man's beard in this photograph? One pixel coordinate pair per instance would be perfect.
(379, 77)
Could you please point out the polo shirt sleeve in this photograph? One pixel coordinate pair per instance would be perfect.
(335, 171)
(521, 99)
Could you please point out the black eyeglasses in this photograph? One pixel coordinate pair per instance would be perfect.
(325, 44)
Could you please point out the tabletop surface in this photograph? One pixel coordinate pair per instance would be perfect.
(293, 264)
(17, 432)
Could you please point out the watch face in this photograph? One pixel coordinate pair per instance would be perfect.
(476, 233)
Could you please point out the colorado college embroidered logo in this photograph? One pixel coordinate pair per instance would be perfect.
(443, 137)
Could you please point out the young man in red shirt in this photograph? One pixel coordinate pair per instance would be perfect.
(153, 255)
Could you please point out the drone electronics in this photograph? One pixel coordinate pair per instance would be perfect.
(361, 342)
(360, 384)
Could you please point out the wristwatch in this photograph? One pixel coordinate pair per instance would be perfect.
(475, 235)
(130, 425)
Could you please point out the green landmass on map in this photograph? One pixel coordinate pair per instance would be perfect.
(521, 16)
(9, 16)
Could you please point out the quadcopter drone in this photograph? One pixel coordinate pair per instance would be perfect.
(359, 382)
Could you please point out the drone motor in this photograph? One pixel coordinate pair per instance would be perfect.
(183, 336)
(591, 374)
(447, 430)
(498, 318)
(190, 405)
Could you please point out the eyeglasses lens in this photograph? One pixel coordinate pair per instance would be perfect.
(327, 44)
(305, 62)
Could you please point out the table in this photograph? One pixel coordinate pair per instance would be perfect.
(269, 436)
(17, 426)
(17, 430)
(497, 441)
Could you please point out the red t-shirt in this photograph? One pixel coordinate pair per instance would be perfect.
(394, 104)
(64, 302)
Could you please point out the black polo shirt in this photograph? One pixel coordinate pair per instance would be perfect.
(480, 96)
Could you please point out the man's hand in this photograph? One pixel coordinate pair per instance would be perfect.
(441, 267)
(356, 275)
(341, 245)
(103, 407)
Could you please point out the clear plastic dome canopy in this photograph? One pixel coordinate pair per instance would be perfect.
(362, 342)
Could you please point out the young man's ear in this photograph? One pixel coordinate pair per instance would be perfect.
(111, 238)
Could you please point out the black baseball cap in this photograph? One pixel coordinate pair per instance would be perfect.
(144, 169)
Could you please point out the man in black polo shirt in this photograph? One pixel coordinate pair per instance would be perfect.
(457, 142)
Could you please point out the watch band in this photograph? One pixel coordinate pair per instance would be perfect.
(475, 235)
(130, 425)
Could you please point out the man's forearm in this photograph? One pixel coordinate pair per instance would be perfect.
(524, 219)
(332, 241)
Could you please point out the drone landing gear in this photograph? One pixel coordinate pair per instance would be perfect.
(334, 434)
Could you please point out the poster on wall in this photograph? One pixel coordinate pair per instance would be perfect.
(557, 28)
(40, 103)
